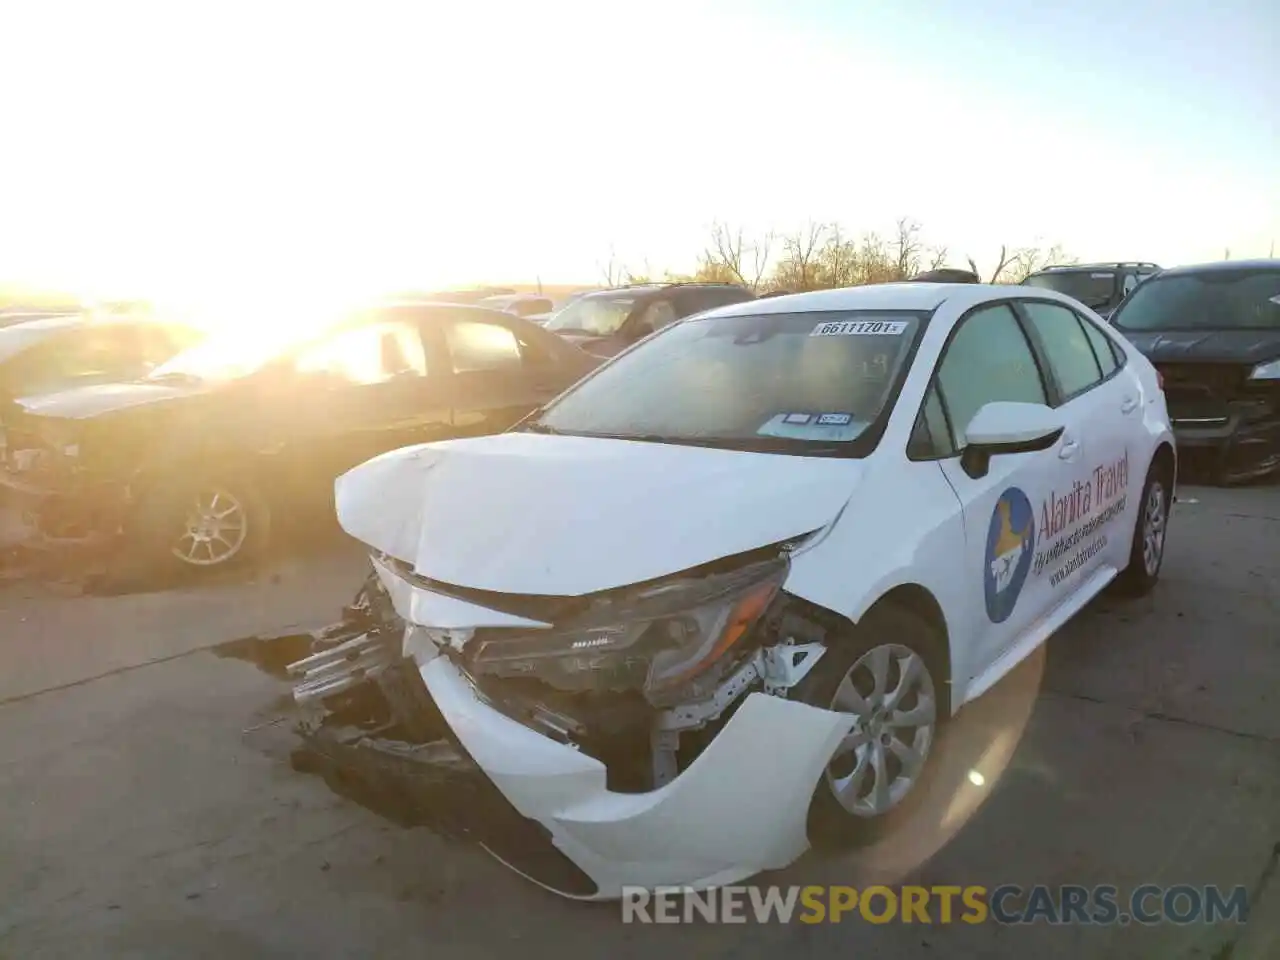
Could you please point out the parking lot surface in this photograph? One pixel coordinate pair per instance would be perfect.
(150, 811)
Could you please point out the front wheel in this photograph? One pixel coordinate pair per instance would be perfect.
(890, 674)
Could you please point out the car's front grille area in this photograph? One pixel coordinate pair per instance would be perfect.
(1202, 392)
(1223, 379)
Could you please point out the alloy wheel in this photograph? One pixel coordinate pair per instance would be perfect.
(1153, 528)
(890, 692)
(214, 530)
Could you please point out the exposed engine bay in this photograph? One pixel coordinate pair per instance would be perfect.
(584, 682)
(636, 683)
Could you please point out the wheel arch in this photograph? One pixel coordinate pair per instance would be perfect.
(917, 601)
(1166, 458)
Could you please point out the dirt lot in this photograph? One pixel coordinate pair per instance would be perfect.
(149, 810)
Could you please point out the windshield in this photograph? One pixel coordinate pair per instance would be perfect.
(1093, 288)
(1213, 300)
(224, 356)
(597, 316)
(787, 383)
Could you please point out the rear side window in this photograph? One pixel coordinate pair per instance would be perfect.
(1103, 348)
(1070, 356)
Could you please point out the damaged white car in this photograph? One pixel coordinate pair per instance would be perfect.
(712, 604)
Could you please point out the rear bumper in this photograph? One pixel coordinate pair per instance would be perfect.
(741, 807)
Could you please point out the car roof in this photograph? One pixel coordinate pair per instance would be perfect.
(1223, 266)
(1099, 265)
(907, 295)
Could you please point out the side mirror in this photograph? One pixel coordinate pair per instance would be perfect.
(1004, 427)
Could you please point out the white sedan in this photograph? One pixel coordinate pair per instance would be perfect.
(711, 605)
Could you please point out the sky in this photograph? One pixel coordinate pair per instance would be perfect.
(282, 151)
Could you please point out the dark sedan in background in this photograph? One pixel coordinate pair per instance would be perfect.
(1213, 333)
(605, 322)
(183, 468)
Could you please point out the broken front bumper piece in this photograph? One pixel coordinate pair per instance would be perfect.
(739, 808)
(538, 801)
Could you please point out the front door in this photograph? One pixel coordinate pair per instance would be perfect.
(991, 359)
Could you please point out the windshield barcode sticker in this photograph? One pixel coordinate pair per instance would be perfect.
(860, 328)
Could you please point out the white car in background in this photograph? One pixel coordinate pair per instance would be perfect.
(712, 604)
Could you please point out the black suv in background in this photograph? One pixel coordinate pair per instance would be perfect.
(1213, 333)
(605, 321)
(1099, 286)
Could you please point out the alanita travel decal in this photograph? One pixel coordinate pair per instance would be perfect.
(1076, 517)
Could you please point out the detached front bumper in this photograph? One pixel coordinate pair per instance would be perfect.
(741, 807)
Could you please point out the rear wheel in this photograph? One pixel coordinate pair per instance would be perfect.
(890, 674)
(1146, 553)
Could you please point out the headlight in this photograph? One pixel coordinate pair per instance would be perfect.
(675, 642)
(1266, 371)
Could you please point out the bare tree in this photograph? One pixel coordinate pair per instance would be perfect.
(729, 256)
(760, 260)
(1001, 265)
(937, 258)
(800, 249)
(1027, 260)
(612, 271)
(907, 249)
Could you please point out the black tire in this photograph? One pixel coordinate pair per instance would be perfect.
(831, 825)
(164, 507)
(1140, 576)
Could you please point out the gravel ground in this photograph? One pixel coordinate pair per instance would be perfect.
(150, 810)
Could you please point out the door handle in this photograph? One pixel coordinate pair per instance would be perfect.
(1128, 405)
(1068, 449)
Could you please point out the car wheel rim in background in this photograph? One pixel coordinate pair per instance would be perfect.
(214, 530)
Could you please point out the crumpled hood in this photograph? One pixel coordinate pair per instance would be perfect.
(565, 516)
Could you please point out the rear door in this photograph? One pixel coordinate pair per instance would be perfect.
(501, 369)
(1088, 520)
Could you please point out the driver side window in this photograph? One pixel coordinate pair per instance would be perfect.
(988, 359)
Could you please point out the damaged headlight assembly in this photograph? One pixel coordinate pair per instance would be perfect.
(674, 641)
